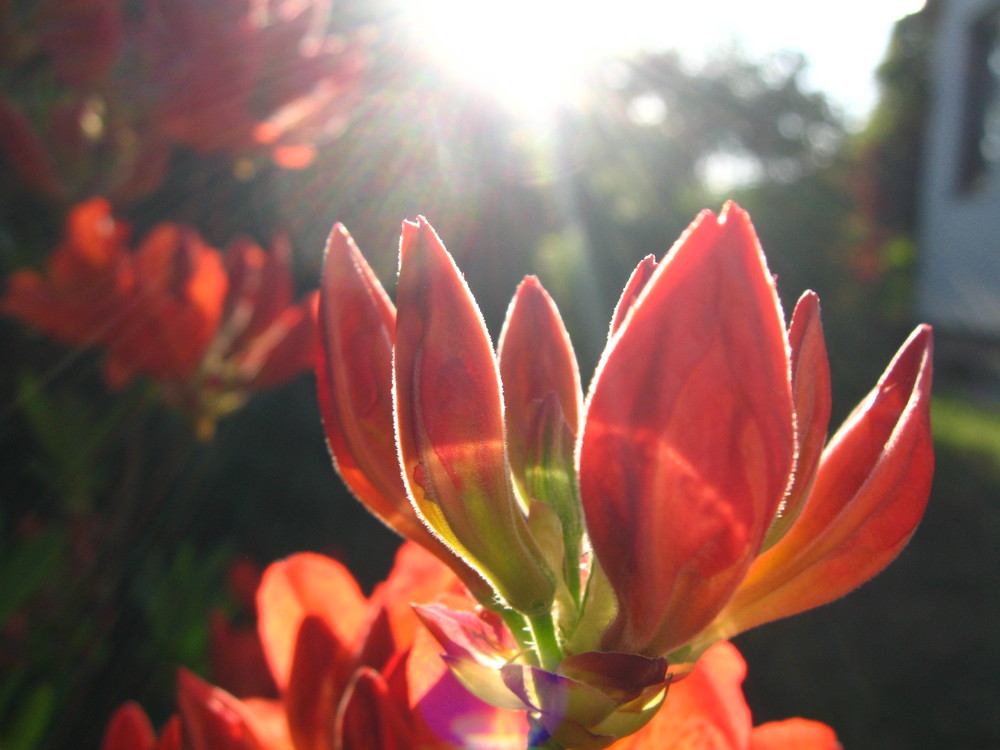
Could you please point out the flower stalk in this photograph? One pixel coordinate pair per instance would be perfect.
(545, 642)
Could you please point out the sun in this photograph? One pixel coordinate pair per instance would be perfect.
(532, 55)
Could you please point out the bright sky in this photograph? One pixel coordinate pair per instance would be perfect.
(527, 50)
(844, 41)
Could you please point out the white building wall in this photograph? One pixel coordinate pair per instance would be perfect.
(958, 286)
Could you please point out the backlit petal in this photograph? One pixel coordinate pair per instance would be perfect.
(536, 359)
(215, 720)
(354, 385)
(635, 284)
(811, 397)
(354, 381)
(368, 717)
(543, 401)
(448, 714)
(688, 439)
(321, 669)
(870, 492)
(302, 585)
(449, 424)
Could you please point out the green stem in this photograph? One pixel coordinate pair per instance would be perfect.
(546, 644)
(571, 569)
(518, 628)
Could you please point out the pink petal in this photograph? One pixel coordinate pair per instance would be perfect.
(474, 651)
(451, 716)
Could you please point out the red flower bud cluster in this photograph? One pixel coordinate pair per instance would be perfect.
(691, 496)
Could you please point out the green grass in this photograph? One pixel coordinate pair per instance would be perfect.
(968, 427)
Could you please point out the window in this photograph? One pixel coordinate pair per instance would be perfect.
(980, 147)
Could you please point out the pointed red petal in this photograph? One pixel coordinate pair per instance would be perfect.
(213, 719)
(129, 729)
(870, 492)
(688, 440)
(320, 672)
(811, 397)
(543, 401)
(369, 717)
(449, 420)
(354, 384)
(354, 379)
(633, 287)
(172, 735)
(536, 359)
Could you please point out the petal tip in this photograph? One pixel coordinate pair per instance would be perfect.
(731, 209)
(339, 242)
(417, 235)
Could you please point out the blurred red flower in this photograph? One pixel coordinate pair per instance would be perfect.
(235, 651)
(95, 98)
(352, 671)
(238, 76)
(707, 710)
(208, 327)
(82, 37)
(359, 672)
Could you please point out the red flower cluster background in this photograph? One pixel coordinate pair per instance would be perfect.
(208, 326)
(123, 88)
